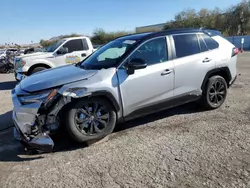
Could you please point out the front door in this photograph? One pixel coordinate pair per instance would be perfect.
(151, 85)
(77, 51)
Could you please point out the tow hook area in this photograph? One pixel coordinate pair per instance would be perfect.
(42, 143)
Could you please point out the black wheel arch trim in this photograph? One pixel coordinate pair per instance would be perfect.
(109, 96)
(217, 71)
(37, 65)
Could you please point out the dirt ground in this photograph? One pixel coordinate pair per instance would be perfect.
(181, 147)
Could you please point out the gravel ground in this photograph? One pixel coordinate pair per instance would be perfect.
(181, 147)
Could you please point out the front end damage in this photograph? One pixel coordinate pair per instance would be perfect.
(36, 116)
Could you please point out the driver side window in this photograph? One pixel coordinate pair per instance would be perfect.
(74, 45)
(153, 52)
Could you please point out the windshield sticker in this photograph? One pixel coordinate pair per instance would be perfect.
(72, 59)
(129, 41)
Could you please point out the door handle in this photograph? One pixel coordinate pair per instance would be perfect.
(166, 72)
(206, 60)
(84, 55)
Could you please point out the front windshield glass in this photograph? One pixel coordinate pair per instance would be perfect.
(108, 55)
(54, 46)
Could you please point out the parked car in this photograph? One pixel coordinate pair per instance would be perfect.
(129, 77)
(2, 53)
(32, 50)
(65, 51)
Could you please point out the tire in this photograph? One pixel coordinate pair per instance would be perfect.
(216, 88)
(80, 134)
(38, 69)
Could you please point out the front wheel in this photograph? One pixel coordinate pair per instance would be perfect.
(38, 69)
(215, 92)
(90, 119)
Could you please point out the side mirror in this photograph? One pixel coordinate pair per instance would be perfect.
(135, 64)
(63, 50)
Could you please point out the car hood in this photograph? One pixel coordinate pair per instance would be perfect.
(35, 55)
(55, 77)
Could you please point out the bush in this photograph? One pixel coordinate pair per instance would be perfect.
(100, 36)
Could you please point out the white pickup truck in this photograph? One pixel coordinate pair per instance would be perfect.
(63, 52)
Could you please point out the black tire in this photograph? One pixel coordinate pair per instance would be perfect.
(215, 93)
(38, 69)
(78, 133)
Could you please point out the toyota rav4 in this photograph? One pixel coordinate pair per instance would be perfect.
(131, 76)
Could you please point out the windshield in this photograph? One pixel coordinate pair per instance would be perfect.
(54, 46)
(108, 55)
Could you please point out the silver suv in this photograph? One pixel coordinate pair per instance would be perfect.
(129, 77)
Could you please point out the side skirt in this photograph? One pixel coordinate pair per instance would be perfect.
(163, 105)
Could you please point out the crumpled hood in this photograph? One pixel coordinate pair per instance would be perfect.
(55, 77)
(35, 55)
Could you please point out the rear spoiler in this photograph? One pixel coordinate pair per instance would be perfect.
(211, 32)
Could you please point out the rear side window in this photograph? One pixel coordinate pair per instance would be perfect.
(203, 45)
(211, 43)
(74, 45)
(186, 45)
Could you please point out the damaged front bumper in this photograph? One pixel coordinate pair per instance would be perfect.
(28, 127)
(41, 141)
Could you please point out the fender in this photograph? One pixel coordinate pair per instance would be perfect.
(109, 96)
(79, 92)
(43, 61)
(222, 71)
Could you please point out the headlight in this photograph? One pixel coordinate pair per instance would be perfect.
(19, 63)
(40, 97)
(75, 92)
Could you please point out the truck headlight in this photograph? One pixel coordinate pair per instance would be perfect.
(22, 63)
(44, 96)
(19, 62)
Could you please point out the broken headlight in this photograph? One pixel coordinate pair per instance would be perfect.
(75, 92)
(44, 96)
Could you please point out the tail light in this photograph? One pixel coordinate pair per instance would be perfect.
(235, 51)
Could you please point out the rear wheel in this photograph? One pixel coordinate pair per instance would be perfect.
(90, 119)
(215, 92)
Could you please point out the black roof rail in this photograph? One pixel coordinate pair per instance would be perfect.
(210, 32)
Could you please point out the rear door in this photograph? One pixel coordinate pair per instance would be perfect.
(192, 60)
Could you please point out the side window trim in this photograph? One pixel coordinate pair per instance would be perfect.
(172, 46)
(199, 36)
(121, 65)
(85, 44)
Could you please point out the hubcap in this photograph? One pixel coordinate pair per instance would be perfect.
(217, 93)
(92, 118)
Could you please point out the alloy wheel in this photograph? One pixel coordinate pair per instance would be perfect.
(217, 92)
(92, 118)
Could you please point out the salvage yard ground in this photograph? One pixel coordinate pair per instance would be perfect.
(181, 147)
